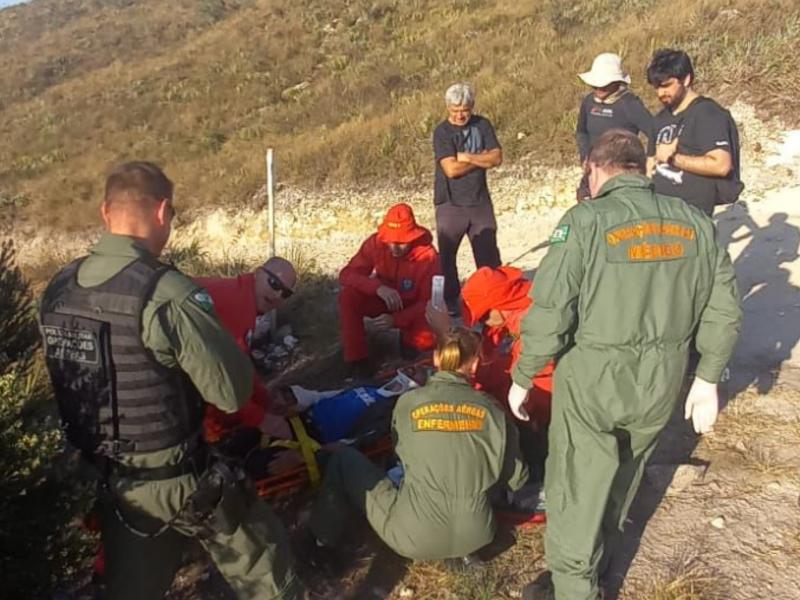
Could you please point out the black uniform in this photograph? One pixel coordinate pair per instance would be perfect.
(624, 111)
(700, 128)
(463, 204)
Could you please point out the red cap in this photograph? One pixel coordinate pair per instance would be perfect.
(501, 289)
(399, 226)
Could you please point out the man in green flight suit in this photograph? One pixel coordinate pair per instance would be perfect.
(134, 349)
(629, 278)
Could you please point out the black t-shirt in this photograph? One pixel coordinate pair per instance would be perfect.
(595, 118)
(701, 128)
(448, 140)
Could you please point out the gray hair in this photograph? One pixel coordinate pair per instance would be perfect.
(460, 94)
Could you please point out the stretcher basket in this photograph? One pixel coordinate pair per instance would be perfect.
(297, 480)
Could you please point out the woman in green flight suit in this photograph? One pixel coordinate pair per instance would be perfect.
(454, 444)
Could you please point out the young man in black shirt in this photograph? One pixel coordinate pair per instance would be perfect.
(464, 146)
(693, 143)
(611, 105)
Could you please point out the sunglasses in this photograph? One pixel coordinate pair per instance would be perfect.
(276, 284)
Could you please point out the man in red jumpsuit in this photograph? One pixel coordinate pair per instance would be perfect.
(389, 280)
(237, 302)
(499, 298)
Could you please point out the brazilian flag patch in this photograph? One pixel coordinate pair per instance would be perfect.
(560, 234)
(203, 298)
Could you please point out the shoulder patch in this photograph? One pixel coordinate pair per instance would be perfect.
(560, 234)
(203, 298)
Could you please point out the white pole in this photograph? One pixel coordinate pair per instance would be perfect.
(271, 201)
(273, 316)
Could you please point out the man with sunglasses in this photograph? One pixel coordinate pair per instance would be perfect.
(238, 301)
(610, 105)
(388, 280)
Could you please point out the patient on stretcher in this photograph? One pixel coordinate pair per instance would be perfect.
(313, 419)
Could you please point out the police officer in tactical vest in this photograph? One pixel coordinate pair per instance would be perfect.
(134, 349)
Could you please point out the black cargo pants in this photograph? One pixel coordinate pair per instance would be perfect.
(452, 224)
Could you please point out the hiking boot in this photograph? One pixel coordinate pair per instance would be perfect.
(541, 589)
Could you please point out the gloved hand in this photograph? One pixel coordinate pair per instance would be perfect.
(517, 396)
(702, 405)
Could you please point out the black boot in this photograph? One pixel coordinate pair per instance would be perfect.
(540, 589)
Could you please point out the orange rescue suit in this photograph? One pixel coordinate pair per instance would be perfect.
(235, 304)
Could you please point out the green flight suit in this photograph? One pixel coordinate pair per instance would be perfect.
(455, 444)
(628, 279)
(180, 328)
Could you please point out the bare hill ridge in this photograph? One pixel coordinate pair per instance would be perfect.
(346, 91)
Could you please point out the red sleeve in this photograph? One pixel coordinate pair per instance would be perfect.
(357, 272)
(409, 314)
(217, 424)
(251, 414)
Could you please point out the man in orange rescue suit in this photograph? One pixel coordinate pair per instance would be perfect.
(389, 279)
(237, 302)
(629, 279)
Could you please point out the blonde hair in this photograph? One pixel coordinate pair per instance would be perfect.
(457, 348)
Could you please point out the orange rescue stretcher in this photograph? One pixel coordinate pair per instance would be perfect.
(308, 476)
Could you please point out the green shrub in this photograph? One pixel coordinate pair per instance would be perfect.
(41, 548)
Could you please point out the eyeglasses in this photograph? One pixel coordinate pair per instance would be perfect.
(276, 284)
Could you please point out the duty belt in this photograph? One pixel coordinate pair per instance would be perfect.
(195, 462)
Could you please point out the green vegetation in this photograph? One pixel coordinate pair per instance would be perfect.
(348, 92)
(41, 546)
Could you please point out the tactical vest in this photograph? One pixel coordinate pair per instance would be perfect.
(112, 394)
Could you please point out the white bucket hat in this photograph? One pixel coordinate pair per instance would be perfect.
(606, 69)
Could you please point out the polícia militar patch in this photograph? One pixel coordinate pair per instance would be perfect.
(560, 234)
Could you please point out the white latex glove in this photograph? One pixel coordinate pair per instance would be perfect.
(517, 396)
(702, 405)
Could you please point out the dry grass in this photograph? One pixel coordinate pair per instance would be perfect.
(685, 575)
(758, 439)
(347, 92)
(501, 578)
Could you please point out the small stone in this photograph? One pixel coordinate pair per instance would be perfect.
(675, 478)
(521, 135)
(685, 475)
(407, 592)
(718, 523)
(740, 446)
(290, 341)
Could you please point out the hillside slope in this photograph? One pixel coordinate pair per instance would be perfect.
(346, 91)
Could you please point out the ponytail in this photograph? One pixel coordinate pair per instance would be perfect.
(457, 348)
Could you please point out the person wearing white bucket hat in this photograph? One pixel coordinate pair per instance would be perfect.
(610, 105)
